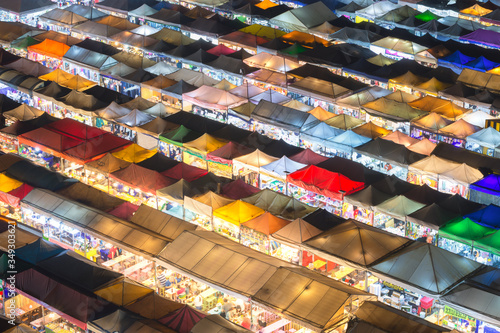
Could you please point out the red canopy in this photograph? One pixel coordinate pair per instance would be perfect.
(327, 183)
(95, 148)
(182, 320)
(142, 178)
(124, 211)
(184, 171)
(228, 152)
(308, 157)
(238, 189)
(220, 50)
(16, 195)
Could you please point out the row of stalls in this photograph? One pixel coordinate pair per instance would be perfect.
(339, 267)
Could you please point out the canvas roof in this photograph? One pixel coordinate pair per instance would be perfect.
(57, 76)
(204, 144)
(462, 174)
(211, 97)
(459, 129)
(399, 207)
(246, 90)
(271, 62)
(134, 153)
(465, 230)
(279, 204)
(433, 165)
(255, 159)
(134, 118)
(487, 137)
(356, 244)
(50, 48)
(205, 203)
(440, 106)
(400, 138)
(142, 178)
(296, 232)
(303, 18)
(320, 89)
(90, 196)
(63, 16)
(238, 212)
(266, 223)
(443, 269)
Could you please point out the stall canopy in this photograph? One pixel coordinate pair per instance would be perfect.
(356, 243)
(392, 110)
(303, 18)
(271, 62)
(401, 138)
(37, 176)
(432, 122)
(279, 204)
(215, 324)
(432, 216)
(283, 116)
(213, 98)
(487, 216)
(483, 190)
(389, 151)
(142, 178)
(483, 37)
(399, 45)
(465, 231)
(282, 167)
(238, 212)
(23, 112)
(296, 232)
(370, 130)
(90, 196)
(158, 162)
(266, 223)
(134, 153)
(459, 129)
(344, 122)
(28, 67)
(184, 171)
(107, 164)
(232, 266)
(388, 319)
(425, 268)
(153, 306)
(368, 197)
(321, 181)
(38, 251)
(204, 204)
(399, 207)
(255, 159)
(182, 320)
(50, 48)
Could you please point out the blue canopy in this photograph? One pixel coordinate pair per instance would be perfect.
(455, 61)
(351, 139)
(488, 216)
(487, 137)
(489, 184)
(38, 251)
(481, 64)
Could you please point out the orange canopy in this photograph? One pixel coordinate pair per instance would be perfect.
(266, 223)
(50, 48)
(265, 4)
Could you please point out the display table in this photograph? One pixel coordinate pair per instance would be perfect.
(276, 325)
(45, 320)
(117, 260)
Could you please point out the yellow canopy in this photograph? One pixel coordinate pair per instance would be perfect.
(238, 212)
(78, 83)
(265, 4)
(204, 144)
(123, 292)
(440, 106)
(134, 153)
(304, 39)
(225, 85)
(58, 76)
(295, 104)
(8, 184)
(321, 114)
(370, 130)
(380, 60)
(344, 121)
(432, 86)
(408, 79)
(262, 31)
(476, 10)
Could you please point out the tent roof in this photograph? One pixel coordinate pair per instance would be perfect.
(204, 144)
(459, 129)
(283, 116)
(489, 184)
(63, 16)
(388, 150)
(433, 122)
(183, 319)
(323, 90)
(50, 48)
(324, 182)
(370, 130)
(296, 232)
(426, 195)
(434, 165)
(303, 18)
(90, 196)
(134, 153)
(350, 139)
(153, 306)
(465, 231)
(463, 173)
(266, 223)
(282, 167)
(400, 45)
(344, 121)
(107, 164)
(400, 138)
(238, 212)
(142, 178)
(271, 62)
(399, 207)
(279, 204)
(357, 243)
(367, 197)
(122, 292)
(28, 67)
(214, 98)
(483, 37)
(425, 268)
(432, 216)
(432, 86)
(184, 171)
(38, 251)
(135, 118)
(158, 162)
(488, 216)
(478, 118)
(215, 324)
(321, 114)
(238, 189)
(389, 319)
(23, 112)
(161, 223)
(228, 152)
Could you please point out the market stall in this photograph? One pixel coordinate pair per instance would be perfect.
(321, 188)
(49, 53)
(248, 166)
(273, 175)
(391, 214)
(386, 157)
(256, 232)
(152, 89)
(318, 137)
(344, 144)
(458, 180)
(227, 219)
(426, 222)
(202, 206)
(220, 161)
(485, 141)
(427, 171)
(486, 190)
(97, 172)
(359, 205)
(170, 143)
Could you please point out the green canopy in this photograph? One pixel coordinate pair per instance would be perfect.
(465, 231)
(179, 136)
(293, 50)
(23, 43)
(489, 243)
(427, 16)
